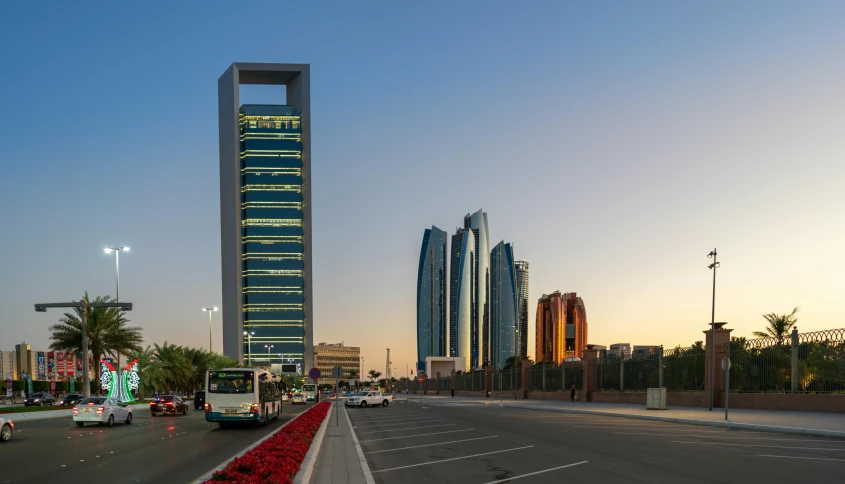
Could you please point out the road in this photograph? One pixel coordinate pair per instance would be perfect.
(470, 443)
(161, 449)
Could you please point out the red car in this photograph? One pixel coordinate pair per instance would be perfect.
(168, 404)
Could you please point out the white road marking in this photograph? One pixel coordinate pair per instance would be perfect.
(388, 425)
(405, 428)
(720, 437)
(603, 426)
(795, 457)
(429, 445)
(418, 435)
(538, 472)
(454, 458)
(756, 445)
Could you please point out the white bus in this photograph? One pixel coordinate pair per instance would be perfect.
(241, 395)
(309, 391)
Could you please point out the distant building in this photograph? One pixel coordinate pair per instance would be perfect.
(26, 360)
(620, 349)
(503, 307)
(8, 365)
(432, 297)
(462, 292)
(327, 356)
(477, 223)
(561, 327)
(522, 307)
(645, 350)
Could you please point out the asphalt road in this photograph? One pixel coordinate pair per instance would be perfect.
(161, 449)
(475, 444)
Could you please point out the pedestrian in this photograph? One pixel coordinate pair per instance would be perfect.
(572, 393)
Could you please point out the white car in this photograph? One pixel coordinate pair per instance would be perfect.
(285, 397)
(298, 398)
(371, 398)
(101, 410)
(7, 428)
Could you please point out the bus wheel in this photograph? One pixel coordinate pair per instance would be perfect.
(266, 420)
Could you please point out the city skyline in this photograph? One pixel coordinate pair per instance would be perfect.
(702, 133)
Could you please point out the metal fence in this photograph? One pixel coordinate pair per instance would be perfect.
(550, 377)
(683, 370)
(796, 363)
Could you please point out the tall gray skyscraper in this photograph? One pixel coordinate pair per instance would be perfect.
(431, 297)
(522, 306)
(503, 305)
(477, 222)
(265, 216)
(462, 294)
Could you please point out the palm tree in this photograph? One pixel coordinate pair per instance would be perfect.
(353, 374)
(374, 375)
(148, 370)
(778, 325)
(175, 368)
(108, 333)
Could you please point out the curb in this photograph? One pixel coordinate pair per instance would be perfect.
(368, 476)
(303, 476)
(702, 423)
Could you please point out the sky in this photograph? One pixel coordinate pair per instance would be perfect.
(613, 143)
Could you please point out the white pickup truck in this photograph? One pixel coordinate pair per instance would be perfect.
(369, 398)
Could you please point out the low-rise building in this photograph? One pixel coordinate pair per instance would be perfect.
(327, 356)
(7, 364)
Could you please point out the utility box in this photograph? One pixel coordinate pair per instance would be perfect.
(656, 399)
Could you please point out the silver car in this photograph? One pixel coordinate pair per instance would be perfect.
(101, 410)
(7, 428)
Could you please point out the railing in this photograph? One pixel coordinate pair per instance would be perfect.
(683, 370)
(550, 377)
(796, 363)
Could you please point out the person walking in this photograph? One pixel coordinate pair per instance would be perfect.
(572, 393)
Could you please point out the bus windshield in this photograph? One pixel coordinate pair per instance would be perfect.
(307, 388)
(230, 382)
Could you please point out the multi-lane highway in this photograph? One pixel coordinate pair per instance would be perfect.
(161, 449)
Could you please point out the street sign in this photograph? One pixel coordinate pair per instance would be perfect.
(337, 372)
(726, 363)
(314, 373)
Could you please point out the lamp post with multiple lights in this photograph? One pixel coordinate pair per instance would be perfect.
(269, 347)
(209, 310)
(713, 267)
(117, 251)
(249, 335)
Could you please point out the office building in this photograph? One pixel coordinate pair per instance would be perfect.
(477, 222)
(522, 307)
(462, 294)
(620, 349)
(432, 297)
(644, 351)
(26, 361)
(561, 327)
(327, 356)
(503, 327)
(8, 364)
(265, 215)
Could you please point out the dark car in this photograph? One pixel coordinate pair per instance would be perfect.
(199, 400)
(39, 399)
(168, 404)
(71, 399)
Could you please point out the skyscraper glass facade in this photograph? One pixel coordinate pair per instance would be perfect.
(431, 297)
(522, 306)
(272, 234)
(503, 306)
(477, 223)
(462, 303)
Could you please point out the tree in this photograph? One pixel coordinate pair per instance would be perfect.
(509, 363)
(778, 325)
(353, 374)
(107, 328)
(175, 368)
(147, 370)
(374, 375)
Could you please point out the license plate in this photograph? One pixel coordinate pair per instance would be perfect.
(233, 415)
(86, 410)
(232, 410)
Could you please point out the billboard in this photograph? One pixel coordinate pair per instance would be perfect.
(51, 363)
(60, 363)
(79, 365)
(42, 365)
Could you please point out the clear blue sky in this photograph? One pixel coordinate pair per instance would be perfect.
(614, 143)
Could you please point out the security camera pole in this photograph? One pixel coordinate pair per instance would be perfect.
(84, 305)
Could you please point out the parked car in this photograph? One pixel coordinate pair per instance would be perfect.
(101, 410)
(7, 429)
(40, 399)
(199, 400)
(71, 399)
(369, 398)
(298, 398)
(285, 397)
(168, 404)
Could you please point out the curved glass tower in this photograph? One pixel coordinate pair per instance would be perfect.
(477, 222)
(522, 306)
(431, 297)
(462, 294)
(503, 309)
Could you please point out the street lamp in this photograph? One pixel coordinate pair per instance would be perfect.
(269, 347)
(713, 267)
(249, 336)
(116, 251)
(209, 310)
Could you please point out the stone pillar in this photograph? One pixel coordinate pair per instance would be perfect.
(527, 382)
(488, 375)
(437, 383)
(722, 336)
(589, 371)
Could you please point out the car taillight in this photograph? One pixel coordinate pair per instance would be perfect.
(253, 408)
(75, 410)
(100, 409)
(169, 404)
(207, 407)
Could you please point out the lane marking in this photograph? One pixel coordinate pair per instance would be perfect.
(382, 419)
(454, 458)
(417, 435)
(406, 428)
(429, 445)
(415, 421)
(756, 445)
(720, 437)
(538, 472)
(794, 457)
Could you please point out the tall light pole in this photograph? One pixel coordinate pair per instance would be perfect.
(713, 267)
(269, 347)
(209, 310)
(116, 251)
(249, 336)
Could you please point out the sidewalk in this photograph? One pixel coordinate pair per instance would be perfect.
(804, 423)
(340, 458)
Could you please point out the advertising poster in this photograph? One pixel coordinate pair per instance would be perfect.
(42, 366)
(53, 383)
(51, 363)
(79, 365)
(60, 363)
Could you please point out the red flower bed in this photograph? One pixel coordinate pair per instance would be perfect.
(277, 459)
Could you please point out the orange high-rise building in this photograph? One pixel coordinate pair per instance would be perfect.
(561, 327)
